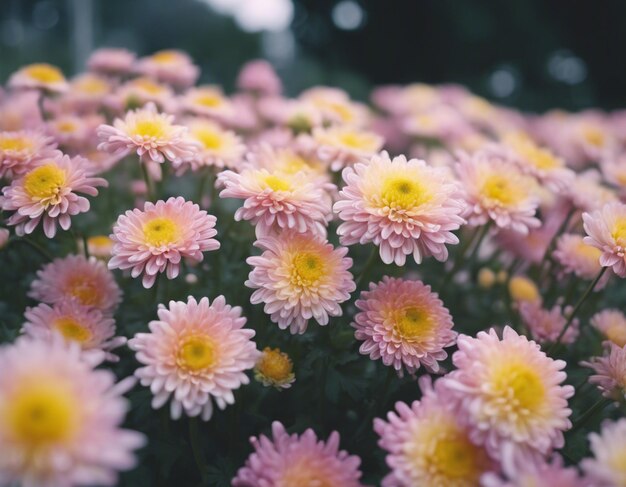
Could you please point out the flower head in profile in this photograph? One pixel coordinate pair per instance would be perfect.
(510, 394)
(606, 230)
(258, 76)
(588, 193)
(427, 444)
(88, 282)
(335, 106)
(111, 61)
(99, 246)
(403, 323)
(40, 76)
(19, 149)
(342, 146)
(139, 92)
(538, 474)
(612, 324)
(403, 207)
(207, 101)
(88, 327)
(169, 66)
(579, 258)
(610, 372)
(545, 325)
(607, 467)
(298, 460)
(299, 277)
(496, 190)
(155, 240)
(274, 368)
(49, 193)
(152, 135)
(86, 92)
(196, 353)
(61, 418)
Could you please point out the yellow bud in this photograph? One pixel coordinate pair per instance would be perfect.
(523, 289)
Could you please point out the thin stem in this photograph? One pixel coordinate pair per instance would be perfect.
(481, 237)
(583, 419)
(203, 180)
(40, 104)
(198, 456)
(147, 179)
(367, 267)
(548, 253)
(85, 246)
(34, 245)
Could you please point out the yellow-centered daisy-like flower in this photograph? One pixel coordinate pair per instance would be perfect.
(274, 368)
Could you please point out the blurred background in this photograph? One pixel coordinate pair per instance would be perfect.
(532, 54)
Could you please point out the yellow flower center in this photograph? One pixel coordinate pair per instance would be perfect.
(404, 193)
(520, 385)
(161, 231)
(14, 143)
(424, 121)
(148, 86)
(196, 353)
(276, 183)
(354, 140)
(617, 462)
(293, 164)
(209, 138)
(275, 365)
(455, 457)
(45, 73)
(66, 126)
(619, 232)
(588, 252)
(502, 190)
(594, 136)
(90, 85)
(523, 289)
(40, 414)
(342, 110)
(307, 268)
(617, 334)
(72, 330)
(210, 100)
(303, 472)
(45, 181)
(149, 128)
(413, 323)
(165, 57)
(99, 241)
(84, 289)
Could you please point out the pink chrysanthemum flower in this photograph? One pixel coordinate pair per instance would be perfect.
(587, 192)
(298, 460)
(608, 467)
(39, 76)
(111, 61)
(61, 418)
(259, 77)
(86, 92)
(428, 445)
(49, 193)
(606, 230)
(278, 200)
(19, 149)
(546, 325)
(170, 66)
(538, 474)
(579, 258)
(496, 190)
(152, 135)
(403, 207)
(299, 277)
(612, 324)
(404, 323)
(155, 240)
(336, 107)
(75, 278)
(342, 146)
(195, 353)
(139, 92)
(510, 394)
(610, 372)
(207, 101)
(84, 325)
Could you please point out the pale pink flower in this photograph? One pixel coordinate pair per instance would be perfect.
(612, 324)
(19, 149)
(335, 106)
(152, 135)
(546, 325)
(196, 353)
(587, 192)
(510, 394)
(610, 372)
(538, 474)
(579, 258)
(614, 170)
(299, 277)
(259, 77)
(169, 66)
(439, 123)
(75, 278)
(607, 467)
(50, 193)
(75, 132)
(208, 101)
(428, 444)
(111, 61)
(87, 326)
(299, 115)
(138, 92)
(403, 323)
(298, 460)
(86, 92)
(341, 146)
(40, 76)
(61, 418)
(403, 207)
(606, 230)
(496, 190)
(20, 111)
(155, 240)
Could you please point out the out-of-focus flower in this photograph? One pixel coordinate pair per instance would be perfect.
(403, 323)
(152, 135)
(522, 289)
(82, 324)
(298, 460)
(5, 234)
(60, 418)
(100, 246)
(208, 101)
(403, 207)
(75, 278)
(20, 111)
(299, 277)
(610, 372)
(259, 77)
(274, 368)
(19, 149)
(612, 324)
(428, 445)
(588, 193)
(75, 133)
(343, 146)
(86, 92)
(614, 170)
(496, 190)
(546, 325)
(39, 76)
(438, 124)
(111, 61)
(538, 474)
(606, 468)
(336, 107)
(510, 394)
(606, 230)
(298, 115)
(196, 353)
(49, 193)
(277, 200)
(486, 278)
(155, 240)
(138, 92)
(170, 66)
(577, 257)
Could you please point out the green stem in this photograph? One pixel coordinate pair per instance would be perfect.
(148, 180)
(367, 267)
(481, 237)
(85, 246)
(478, 234)
(196, 449)
(583, 419)
(203, 180)
(547, 256)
